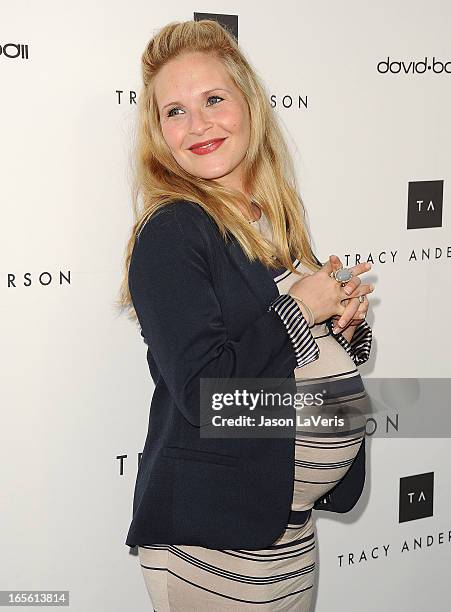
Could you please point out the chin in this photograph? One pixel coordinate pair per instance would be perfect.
(210, 175)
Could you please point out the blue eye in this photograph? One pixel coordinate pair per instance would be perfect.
(178, 108)
(218, 97)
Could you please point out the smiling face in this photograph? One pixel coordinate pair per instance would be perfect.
(198, 102)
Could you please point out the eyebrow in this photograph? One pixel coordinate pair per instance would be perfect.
(203, 93)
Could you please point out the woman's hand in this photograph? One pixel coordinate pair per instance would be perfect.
(359, 316)
(361, 310)
(325, 295)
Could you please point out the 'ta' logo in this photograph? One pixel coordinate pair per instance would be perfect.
(416, 496)
(425, 204)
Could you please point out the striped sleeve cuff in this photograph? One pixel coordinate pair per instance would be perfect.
(304, 345)
(360, 346)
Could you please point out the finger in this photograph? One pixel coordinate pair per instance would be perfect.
(351, 286)
(359, 316)
(348, 314)
(361, 267)
(362, 304)
(336, 262)
(355, 321)
(352, 323)
(332, 264)
(360, 313)
(362, 289)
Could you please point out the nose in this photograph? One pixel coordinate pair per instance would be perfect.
(198, 123)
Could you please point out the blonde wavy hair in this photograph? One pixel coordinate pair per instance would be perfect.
(268, 172)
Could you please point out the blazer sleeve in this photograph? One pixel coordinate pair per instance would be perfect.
(171, 285)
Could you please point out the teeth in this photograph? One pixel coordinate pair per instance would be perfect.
(206, 146)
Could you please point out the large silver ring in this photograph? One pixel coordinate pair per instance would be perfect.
(342, 276)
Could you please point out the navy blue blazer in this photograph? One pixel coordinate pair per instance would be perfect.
(203, 311)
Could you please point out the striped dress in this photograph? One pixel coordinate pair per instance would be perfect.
(281, 577)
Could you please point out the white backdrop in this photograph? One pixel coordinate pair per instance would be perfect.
(76, 389)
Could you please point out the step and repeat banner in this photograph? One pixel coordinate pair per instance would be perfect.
(362, 90)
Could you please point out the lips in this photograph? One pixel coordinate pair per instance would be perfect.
(207, 146)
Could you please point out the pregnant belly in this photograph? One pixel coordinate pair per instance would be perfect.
(330, 431)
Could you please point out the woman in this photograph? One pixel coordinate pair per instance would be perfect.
(223, 281)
